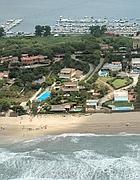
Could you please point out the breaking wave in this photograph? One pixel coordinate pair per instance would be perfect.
(38, 162)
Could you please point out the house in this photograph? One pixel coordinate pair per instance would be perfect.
(105, 47)
(29, 60)
(62, 107)
(8, 59)
(136, 42)
(135, 63)
(4, 75)
(78, 54)
(114, 66)
(91, 105)
(58, 108)
(59, 57)
(39, 81)
(79, 74)
(121, 102)
(132, 95)
(69, 73)
(70, 87)
(121, 96)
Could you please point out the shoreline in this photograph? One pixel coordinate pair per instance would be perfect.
(15, 129)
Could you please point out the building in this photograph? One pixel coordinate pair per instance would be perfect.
(39, 81)
(70, 87)
(121, 96)
(91, 105)
(114, 66)
(63, 107)
(60, 56)
(29, 60)
(4, 75)
(8, 59)
(136, 42)
(69, 73)
(132, 95)
(135, 63)
(58, 108)
(105, 47)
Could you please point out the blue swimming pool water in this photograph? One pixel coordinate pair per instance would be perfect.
(44, 96)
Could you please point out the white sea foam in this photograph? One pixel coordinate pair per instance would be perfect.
(65, 135)
(80, 165)
(39, 163)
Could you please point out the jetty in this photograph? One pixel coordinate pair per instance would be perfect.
(10, 24)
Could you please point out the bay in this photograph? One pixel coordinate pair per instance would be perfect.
(42, 12)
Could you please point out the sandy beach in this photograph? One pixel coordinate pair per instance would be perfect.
(13, 129)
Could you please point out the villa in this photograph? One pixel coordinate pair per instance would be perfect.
(136, 42)
(135, 63)
(4, 75)
(105, 47)
(114, 66)
(59, 57)
(121, 96)
(91, 105)
(121, 101)
(63, 107)
(70, 87)
(29, 60)
(8, 59)
(69, 73)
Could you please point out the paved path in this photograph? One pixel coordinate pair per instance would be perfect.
(90, 65)
(106, 84)
(96, 70)
(92, 70)
(35, 95)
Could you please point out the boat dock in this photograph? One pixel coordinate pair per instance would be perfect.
(10, 24)
(81, 26)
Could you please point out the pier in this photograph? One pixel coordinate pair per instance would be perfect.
(10, 24)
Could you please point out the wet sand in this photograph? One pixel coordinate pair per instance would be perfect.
(13, 129)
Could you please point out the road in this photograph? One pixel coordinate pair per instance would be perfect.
(96, 70)
(92, 70)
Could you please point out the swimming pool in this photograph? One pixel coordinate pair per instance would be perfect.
(44, 96)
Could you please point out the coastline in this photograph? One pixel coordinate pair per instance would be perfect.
(15, 129)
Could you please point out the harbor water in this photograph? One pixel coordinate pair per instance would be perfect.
(72, 157)
(35, 12)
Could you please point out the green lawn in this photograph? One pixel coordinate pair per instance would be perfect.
(118, 83)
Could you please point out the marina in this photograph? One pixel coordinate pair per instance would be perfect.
(81, 26)
(10, 24)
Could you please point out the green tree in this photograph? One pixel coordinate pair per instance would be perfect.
(46, 31)
(98, 31)
(38, 30)
(2, 33)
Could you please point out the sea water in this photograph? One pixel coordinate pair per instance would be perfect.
(72, 157)
(42, 12)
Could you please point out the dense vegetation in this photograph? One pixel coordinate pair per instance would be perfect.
(137, 104)
(45, 44)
